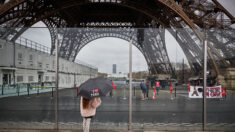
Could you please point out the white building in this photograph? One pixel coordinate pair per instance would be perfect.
(28, 62)
(119, 75)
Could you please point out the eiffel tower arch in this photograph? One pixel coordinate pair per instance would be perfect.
(150, 42)
(173, 15)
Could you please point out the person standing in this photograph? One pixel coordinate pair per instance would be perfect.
(88, 110)
(144, 90)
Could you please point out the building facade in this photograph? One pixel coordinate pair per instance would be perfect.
(29, 64)
(114, 68)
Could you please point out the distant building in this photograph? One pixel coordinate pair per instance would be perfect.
(114, 68)
(104, 75)
(120, 75)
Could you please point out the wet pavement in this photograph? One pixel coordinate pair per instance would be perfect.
(164, 113)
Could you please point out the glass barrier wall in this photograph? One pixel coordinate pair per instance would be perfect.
(220, 80)
(155, 77)
(27, 80)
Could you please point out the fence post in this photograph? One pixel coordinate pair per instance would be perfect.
(52, 92)
(77, 91)
(2, 89)
(134, 90)
(28, 89)
(175, 89)
(37, 91)
(18, 90)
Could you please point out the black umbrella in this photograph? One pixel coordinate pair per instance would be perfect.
(95, 87)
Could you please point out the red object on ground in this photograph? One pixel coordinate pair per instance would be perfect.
(114, 87)
(154, 94)
(189, 86)
(171, 89)
(77, 90)
(224, 92)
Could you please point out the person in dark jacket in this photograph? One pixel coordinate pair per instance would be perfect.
(144, 90)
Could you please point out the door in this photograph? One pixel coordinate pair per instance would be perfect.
(5, 79)
(39, 78)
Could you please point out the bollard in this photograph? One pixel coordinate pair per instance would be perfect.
(175, 91)
(18, 90)
(77, 91)
(134, 91)
(2, 89)
(37, 91)
(28, 89)
(171, 91)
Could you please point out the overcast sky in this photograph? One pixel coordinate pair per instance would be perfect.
(104, 52)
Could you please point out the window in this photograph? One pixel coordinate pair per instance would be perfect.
(30, 60)
(1, 46)
(40, 64)
(62, 67)
(47, 66)
(30, 78)
(53, 78)
(47, 78)
(20, 79)
(69, 80)
(20, 56)
(53, 64)
(30, 57)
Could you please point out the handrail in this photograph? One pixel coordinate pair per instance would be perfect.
(32, 44)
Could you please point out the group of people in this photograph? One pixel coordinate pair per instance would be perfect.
(145, 89)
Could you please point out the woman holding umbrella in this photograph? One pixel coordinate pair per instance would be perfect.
(88, 110)
(91, 91)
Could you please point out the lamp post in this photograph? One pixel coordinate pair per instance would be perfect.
(130, 85)
(204, 81)
(56, 83)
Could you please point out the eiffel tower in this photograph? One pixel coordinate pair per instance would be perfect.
(79, 22)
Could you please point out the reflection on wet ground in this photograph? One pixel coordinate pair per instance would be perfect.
(164, 113)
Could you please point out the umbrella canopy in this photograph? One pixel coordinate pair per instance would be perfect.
(95, 87)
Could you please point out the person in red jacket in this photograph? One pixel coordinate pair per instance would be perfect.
(88, 110)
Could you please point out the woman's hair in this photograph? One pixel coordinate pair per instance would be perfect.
(85, 103)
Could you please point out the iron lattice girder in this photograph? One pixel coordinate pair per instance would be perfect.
(168, 13)
(207, 14)
(191, 49)
(223, 41)
(153, 44)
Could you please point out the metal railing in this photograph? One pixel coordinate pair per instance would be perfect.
(26, 88)
(85, 64)
(33, 45)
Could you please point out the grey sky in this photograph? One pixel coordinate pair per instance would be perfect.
(229, 5)
(107, 51)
